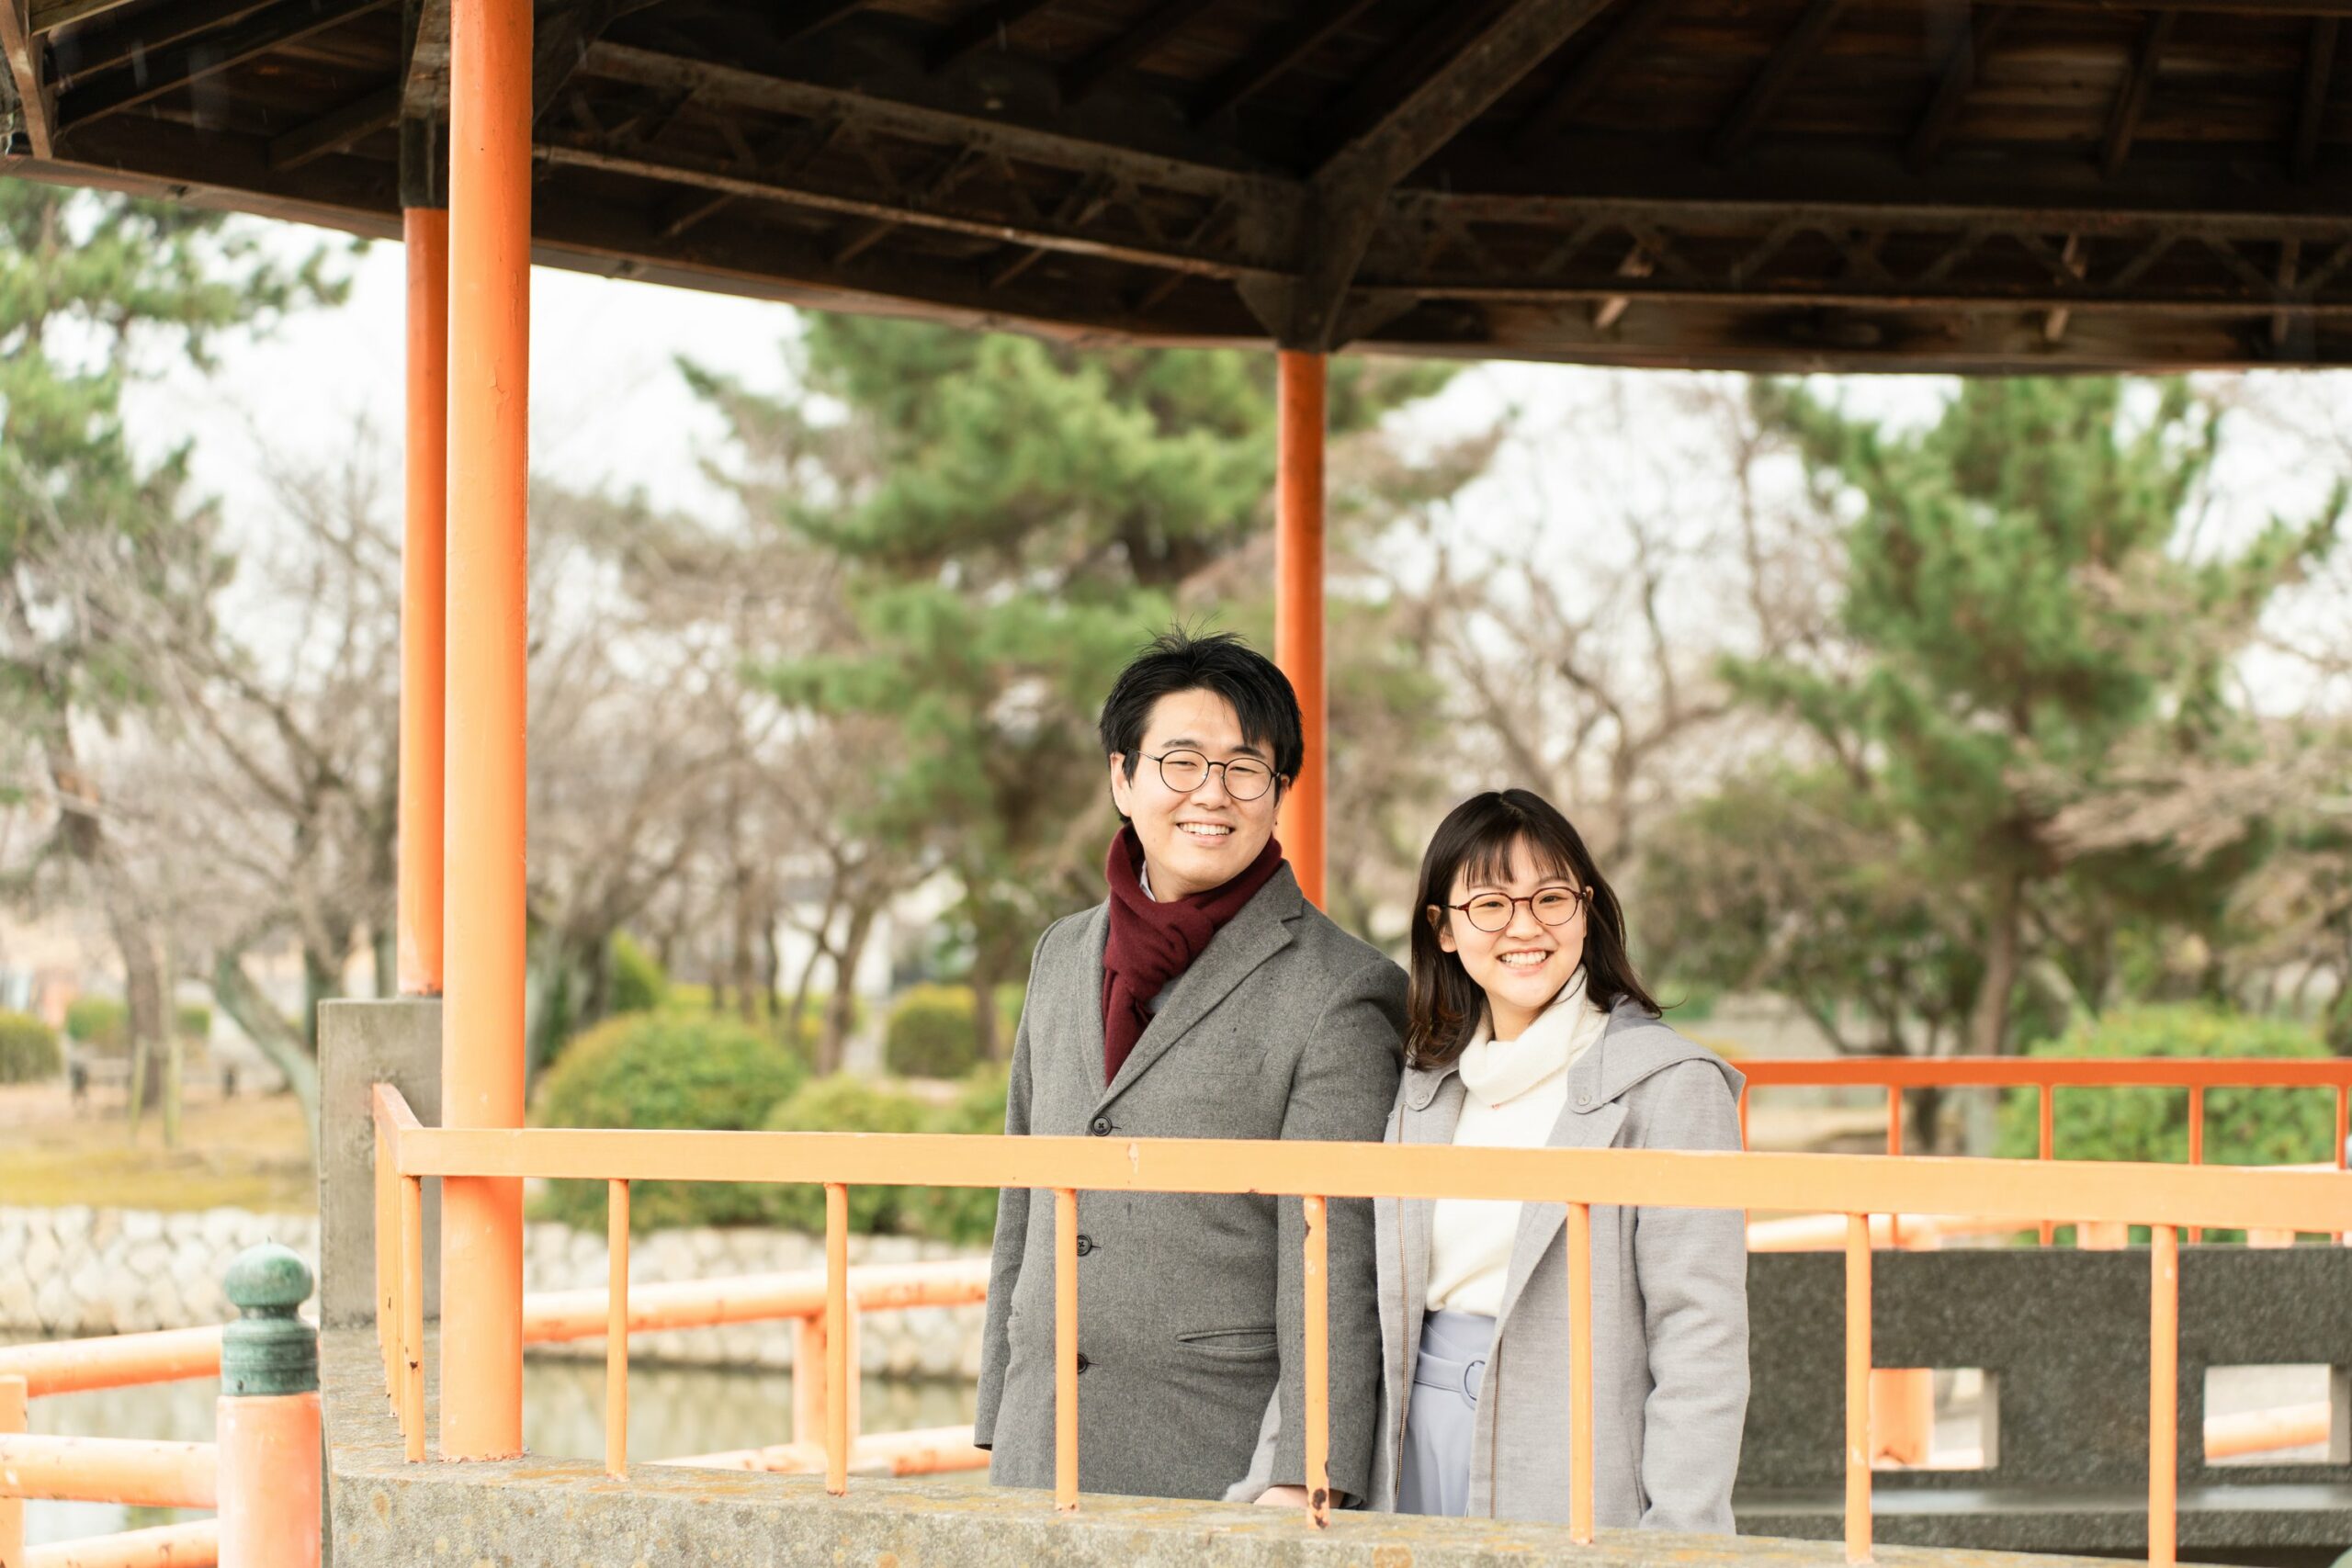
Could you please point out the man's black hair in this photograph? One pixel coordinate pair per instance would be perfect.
(1176, 661)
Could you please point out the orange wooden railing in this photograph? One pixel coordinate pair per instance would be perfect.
(2163, 1198)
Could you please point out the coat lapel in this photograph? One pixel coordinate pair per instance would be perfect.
(1256, 934)
(1589, 1121)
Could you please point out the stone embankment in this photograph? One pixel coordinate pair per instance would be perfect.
(70, 1272)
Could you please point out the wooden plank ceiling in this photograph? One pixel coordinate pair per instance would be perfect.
(1874, 185)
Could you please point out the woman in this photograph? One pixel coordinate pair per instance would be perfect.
(1528, 1027)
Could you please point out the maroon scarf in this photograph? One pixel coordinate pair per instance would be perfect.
(1151, 944)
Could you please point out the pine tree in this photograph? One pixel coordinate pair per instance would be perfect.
(2030, 632)
(1018, 517)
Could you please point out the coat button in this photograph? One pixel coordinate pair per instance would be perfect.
(1102, 1127)
(1083, 1362)
(1085, 1244)
(1584, 1097)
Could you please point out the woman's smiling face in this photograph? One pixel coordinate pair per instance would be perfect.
(1523, 965)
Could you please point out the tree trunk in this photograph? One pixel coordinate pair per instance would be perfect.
(278, 1038)
(1988, 1023)
(818, 953)
(840, 1012)
(988, 974)
(142, 985)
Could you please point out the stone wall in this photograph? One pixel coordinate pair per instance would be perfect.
(74, 1272)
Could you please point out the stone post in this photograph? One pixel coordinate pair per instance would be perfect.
(267, 1418)
(362, 1044)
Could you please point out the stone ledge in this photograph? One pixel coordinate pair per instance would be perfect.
(524, 1513)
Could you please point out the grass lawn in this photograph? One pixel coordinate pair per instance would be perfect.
(248, 1153)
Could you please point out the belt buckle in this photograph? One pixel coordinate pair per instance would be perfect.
(1474, 1379)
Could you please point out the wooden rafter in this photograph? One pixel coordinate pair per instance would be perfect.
(2319, 69)
(33, 90)
(425, 87)
(797, 26)
(1953, 83)
(984, 25)
(50, 15)
(1282, 54)
(1134, 41)
(118, 40)
(338, 129)
(208, 55)
(1595, 72)
(1774, 77)
(1351, 188)
(2123, 120)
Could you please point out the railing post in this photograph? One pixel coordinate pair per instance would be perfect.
(1580, 1478)
(617, 1328)
(267, 1417)
(2196, 1144)
(1858, 1388)
(2046, 1114)
(1065, 1350)
(836, 1337)
(412, 1399)
(387, 1234)
(1317, 1337)
(12, 1509)
(2163, 1390)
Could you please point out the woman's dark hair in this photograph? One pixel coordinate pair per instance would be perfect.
(1176, 661)
(1443, 1012)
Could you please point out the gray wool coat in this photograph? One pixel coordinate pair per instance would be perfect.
(1190, 1306)
(1669, 1321)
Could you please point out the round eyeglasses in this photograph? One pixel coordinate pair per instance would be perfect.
(1185, 771)
(1553, 907)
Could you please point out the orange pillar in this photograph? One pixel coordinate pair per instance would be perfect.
(423, 587)
(481, 1052)
(1298, 598)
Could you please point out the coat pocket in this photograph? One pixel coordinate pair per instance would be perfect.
(1231, 1344)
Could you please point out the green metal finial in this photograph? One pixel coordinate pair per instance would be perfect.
(268, 1350)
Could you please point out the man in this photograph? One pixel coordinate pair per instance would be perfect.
(1204, 998)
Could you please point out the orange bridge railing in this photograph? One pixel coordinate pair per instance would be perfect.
(2163, 1198)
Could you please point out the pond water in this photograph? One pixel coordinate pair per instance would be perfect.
(672, 1411)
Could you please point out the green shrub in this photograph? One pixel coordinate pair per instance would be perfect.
(101, 1023)
(28, 1050)
(843, 1103)
(638, 984)
(664, 1070)
(934, 1034)
(965, 1216)
(695, 1001)
(195, 1020)
(2243, 1127)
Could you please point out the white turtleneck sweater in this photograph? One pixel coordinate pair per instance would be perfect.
(1517, 1089)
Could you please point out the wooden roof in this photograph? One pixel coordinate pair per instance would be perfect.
(1868, 185)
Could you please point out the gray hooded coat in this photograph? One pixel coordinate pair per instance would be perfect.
(1669, 1352)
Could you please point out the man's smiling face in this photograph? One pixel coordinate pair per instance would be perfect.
(1202, 838)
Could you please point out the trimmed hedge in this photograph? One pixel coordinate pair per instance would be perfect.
(664, 1070)
(28, 1049)
(842, 1104)
(2243, 1127)
(638, 983)
(102, 1023)
(932, 1032)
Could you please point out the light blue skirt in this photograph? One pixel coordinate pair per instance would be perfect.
(1442, 1414)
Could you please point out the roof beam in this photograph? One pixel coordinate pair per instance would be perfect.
(32, 92)
(424, 88)
(974, 31)
(914, 207)
(1774, 78)
(338, 129)
(1134, 41)
(1594, 72)
(208, 55)
(1968, 51)
(1252, 74)
(714, 83)
(86, 51)
(2123, 120)
(2319, 69)
(48, 16)
(1349, 191)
